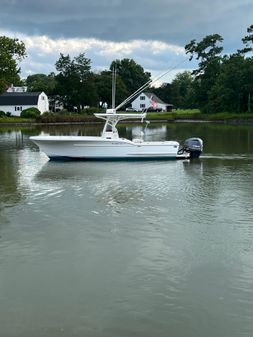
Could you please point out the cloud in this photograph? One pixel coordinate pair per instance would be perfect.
(171, 21)
(43, 52)
(153, 33)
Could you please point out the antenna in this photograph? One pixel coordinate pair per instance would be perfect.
(134, 94)
(114, 73)
(146, 85)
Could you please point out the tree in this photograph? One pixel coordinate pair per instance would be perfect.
(12, 51)
(75, 82)
(131, 73)
(247, 76)
(104, 88)
(41, 82)
(226, 95)
(207, 51)
(247, 41)
(163, 92)
(182, 90)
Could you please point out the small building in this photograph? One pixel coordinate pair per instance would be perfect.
(15, 102)
(12, 88)
(149, 101)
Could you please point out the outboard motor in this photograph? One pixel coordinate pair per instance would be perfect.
(194, 146)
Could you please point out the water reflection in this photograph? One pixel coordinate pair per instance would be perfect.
(9, 192)
(148, 132)
(127, 248)
(193, 167)
(111, 183)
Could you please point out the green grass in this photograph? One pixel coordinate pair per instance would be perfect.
(179, 114)
(230, 116)
(186, 111)
(195, 114)
(175, 114)
(15, 120)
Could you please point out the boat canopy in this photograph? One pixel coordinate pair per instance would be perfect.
(116, 117)
(111, 120)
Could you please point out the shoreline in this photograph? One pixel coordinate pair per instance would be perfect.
(195, 121)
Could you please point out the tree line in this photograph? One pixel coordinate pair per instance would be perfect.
(221, 82)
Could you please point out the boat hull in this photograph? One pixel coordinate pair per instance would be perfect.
(97, 148)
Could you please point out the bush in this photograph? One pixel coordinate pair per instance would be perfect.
(2, 114)
(51, 117)
(30, 113)
(91, 111)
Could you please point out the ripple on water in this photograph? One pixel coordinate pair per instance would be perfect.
(128, 248)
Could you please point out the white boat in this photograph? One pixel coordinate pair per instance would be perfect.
(111, 146)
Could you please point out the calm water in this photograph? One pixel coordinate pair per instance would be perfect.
(125, 249)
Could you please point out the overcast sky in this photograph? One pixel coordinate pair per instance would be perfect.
(153, 33)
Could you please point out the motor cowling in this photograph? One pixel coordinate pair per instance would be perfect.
(194, 146)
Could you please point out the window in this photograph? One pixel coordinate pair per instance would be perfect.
(18, 108)
(142, 98)
(142, 106)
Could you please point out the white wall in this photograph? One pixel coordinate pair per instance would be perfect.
(142, 104)
(136, 104)
(11, 109)
(43, 103)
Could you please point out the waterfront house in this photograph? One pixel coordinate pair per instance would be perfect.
(149, 101)
(15, 102)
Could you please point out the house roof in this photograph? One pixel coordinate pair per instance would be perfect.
(19, 98)
(155, 98)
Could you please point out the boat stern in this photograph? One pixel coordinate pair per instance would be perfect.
(192, 146)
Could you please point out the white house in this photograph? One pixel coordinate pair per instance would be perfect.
(148, 100)
(16, 89)
(15, 102)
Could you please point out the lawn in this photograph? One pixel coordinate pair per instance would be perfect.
(176, 114)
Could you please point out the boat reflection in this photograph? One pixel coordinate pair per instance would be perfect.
(193, 167)
(112, 184)
(148, 132)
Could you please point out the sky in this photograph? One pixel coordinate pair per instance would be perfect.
(151, 32)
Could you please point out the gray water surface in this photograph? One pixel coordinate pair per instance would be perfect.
(151, 248)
